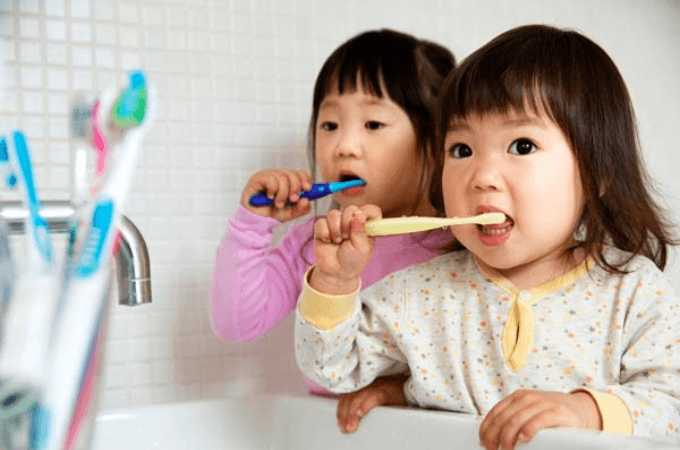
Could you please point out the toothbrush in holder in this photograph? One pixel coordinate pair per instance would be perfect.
(7, 272)
(318, 190)
(29, 314)
(71, 372)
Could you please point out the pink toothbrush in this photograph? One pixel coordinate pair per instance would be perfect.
(99, 144)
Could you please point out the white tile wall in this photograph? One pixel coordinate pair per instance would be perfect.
(217, 110)
(235, 80)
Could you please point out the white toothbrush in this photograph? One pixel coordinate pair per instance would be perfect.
(30, 313)
(81, 118)
(7, 272)
(87, 287)
(403, 225)
(7, 275)
(17, 399)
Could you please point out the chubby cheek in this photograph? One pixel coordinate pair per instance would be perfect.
(326, 175)
(325, 167)
(556, 204)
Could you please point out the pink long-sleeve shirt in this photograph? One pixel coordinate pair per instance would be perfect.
(255, 285)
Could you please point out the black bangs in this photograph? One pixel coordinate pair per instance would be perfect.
(352, 73)
(481, 92)
(512, 74)
(357, 64)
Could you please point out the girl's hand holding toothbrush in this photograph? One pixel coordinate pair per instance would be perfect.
(342, 249)
(283, 186)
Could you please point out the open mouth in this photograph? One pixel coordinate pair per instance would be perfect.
(349, 177)
(497, 229)
(354, 191)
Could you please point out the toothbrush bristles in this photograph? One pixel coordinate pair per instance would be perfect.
(491, 218)
(80, 118)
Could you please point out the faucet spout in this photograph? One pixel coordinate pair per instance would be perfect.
(132, 265)
(132, 256)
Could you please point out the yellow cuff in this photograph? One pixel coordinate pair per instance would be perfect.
(615, 415)
(324, 311)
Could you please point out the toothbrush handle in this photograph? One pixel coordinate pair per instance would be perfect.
(260, 200)
(318, 190)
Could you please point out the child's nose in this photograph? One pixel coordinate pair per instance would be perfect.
(349, 144)
(486, 175)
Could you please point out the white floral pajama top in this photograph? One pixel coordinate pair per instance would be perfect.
(470, 339)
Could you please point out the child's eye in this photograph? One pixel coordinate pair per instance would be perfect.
(328, 126)
(460, 151)
(522, 147)
(374, 125)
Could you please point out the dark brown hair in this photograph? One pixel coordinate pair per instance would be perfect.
(410, 70)
(571, 79)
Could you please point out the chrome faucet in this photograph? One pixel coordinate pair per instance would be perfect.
(132, 257)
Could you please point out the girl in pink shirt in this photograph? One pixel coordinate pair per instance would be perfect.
(372, 118)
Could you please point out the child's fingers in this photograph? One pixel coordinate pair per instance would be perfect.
(494, 415)
(343, 407)
(353, 411)
(343, 412)
(358, 406)
(495, 420)
(383, 391)
(351, 424)
(358, 237)
(270, 183)
(371, 212)
(322, 231)
(351, 407)
(370, 401)
(334, 219)
(267, 182)
(305, 179)
(506, 434)
(282, 190)
(548, 418)
(347, 216)
(347, 417)
(294, 184)
(520, 415)
(532, 419)
(287, 183)
(302, 207)
(256, 183)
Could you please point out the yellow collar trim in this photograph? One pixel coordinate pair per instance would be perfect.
(518, 334)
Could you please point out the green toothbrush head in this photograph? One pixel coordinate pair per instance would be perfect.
(130, 107)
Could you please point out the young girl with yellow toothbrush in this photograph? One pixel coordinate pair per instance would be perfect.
(558, 317)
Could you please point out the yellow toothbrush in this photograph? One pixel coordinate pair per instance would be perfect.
(403, 225)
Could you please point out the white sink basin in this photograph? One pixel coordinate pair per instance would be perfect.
(273, 422)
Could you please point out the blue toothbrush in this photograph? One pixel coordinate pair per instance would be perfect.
(42, 244)
(29, 314)
(9, 178)
(318, 190)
